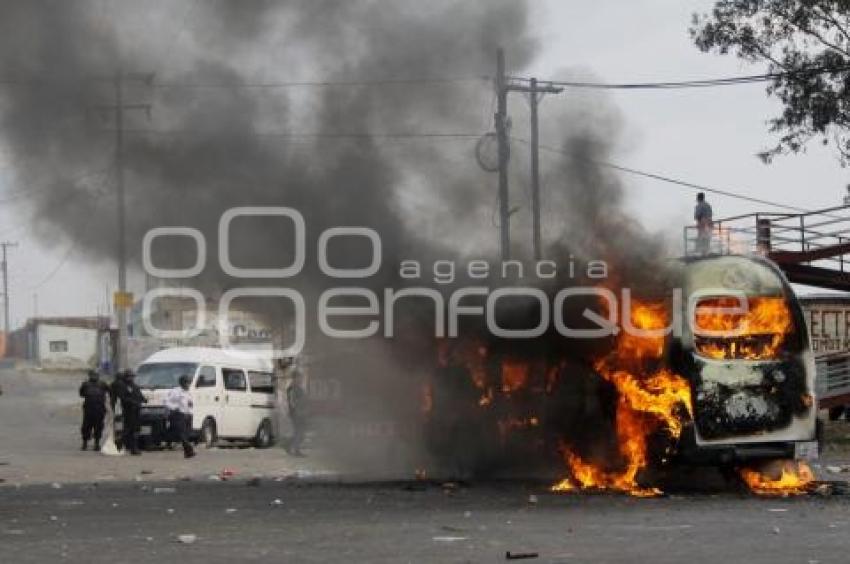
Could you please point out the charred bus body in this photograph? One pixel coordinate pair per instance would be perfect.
(514, 406)
(753, 380)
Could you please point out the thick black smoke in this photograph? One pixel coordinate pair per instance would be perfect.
(224, 133)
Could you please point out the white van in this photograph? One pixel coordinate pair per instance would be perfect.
(233, 395)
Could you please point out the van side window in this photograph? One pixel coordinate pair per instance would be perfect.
(206, 377)
(234, 379)
(261, 382)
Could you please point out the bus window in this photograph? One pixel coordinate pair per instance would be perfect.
(261, 382)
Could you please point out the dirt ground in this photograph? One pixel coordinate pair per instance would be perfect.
(40, 441)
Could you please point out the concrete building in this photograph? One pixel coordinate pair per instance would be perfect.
(60, 342)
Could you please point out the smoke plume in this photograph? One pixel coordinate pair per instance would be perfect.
(368, 147)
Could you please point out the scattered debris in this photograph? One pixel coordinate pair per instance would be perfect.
(415, 486)
(777, 510)
(54, 518)
(829, 488)
(214, 478)
(187, 539)
(56, 486)
(521, 555)
(230, 510)
(776, 530)
(170, 511)
(467, 514)
(532, 499)
(276, 502)
(450, 539)
(164, 490)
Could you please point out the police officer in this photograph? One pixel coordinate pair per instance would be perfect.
(179, 404)
(131, 399)
(94, 392)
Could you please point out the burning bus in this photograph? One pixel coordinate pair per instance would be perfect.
(752, 374)
(731, 387)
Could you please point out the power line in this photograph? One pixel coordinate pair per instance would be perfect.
(318, 135)
(704, 83)
(71, 248)
(670, 180)
(13, 81)
(322, 83)
(30, 192)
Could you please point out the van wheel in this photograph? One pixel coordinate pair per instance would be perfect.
(263, 438)
(209, 435)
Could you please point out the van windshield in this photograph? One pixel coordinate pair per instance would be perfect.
(163, 375)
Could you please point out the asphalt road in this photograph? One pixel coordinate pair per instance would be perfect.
(60, 504)
(40, 417)
(235, 522)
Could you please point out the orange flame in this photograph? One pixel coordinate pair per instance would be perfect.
(514, 376)
(757, 334)
(792, 478)
(650, 399)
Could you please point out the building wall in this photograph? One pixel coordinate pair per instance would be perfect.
(58, 345)
(828, 321)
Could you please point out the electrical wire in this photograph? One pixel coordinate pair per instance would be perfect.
(28, 193)
(332, 135)
(669, 180)
(704, 83)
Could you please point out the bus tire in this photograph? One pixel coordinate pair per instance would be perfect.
(264, 438)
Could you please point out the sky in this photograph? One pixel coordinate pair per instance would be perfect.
(705, 136)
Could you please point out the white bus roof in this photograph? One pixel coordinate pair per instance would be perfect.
(201, 355)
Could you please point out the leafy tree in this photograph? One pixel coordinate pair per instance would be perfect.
(806, 46)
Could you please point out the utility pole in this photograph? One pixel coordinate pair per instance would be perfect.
(535, 90)
(122, 299)
(6, 324)
(504, 155)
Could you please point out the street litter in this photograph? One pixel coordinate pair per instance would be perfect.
(164, 490)
(521, 555)
(170, 511)
(532, 499)
(450, 539)
(56, 486)
(187, 539)
(276, 502)
(230, 510)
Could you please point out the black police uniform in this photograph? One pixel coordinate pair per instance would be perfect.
(131, 399)
(94, 396)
